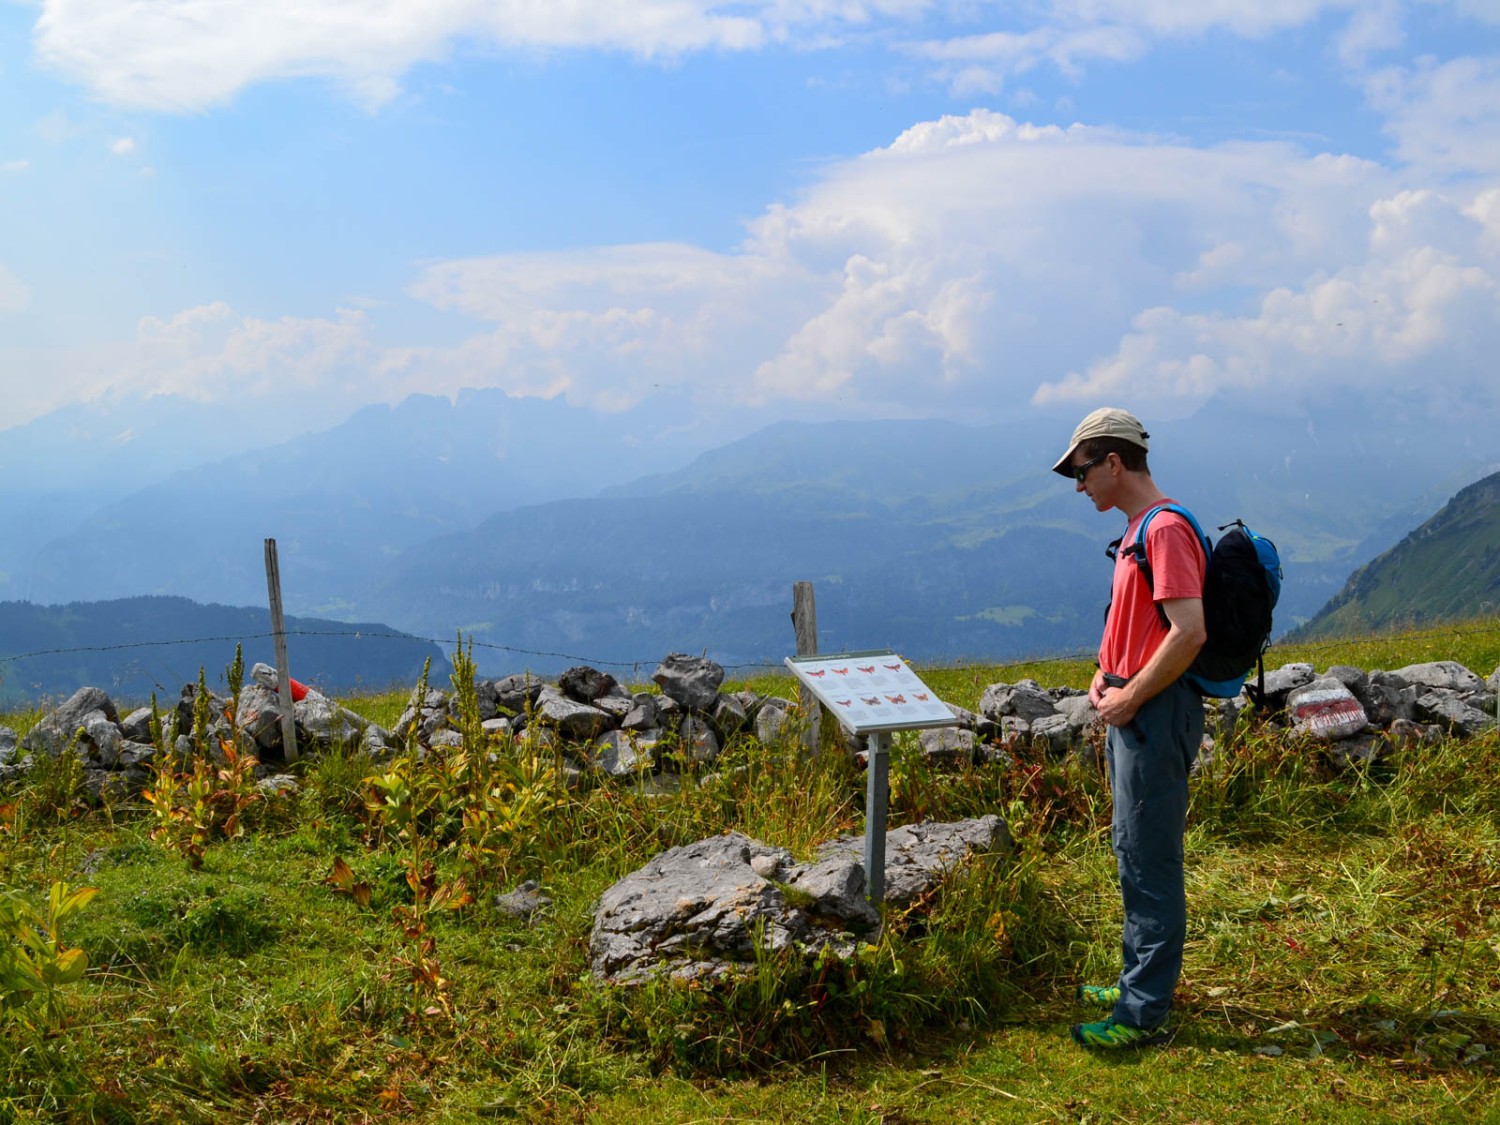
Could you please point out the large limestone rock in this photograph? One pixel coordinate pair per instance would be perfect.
(1454, 714)
(1388, 698)
(693, 681)
(917, 856)
(576, 721)
(58, 728)
(696, 912)
(1447, 675)
(1024, 700)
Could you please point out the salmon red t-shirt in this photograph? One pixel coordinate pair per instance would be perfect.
(1134, 629)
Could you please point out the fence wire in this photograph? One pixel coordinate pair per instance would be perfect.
(1334, 645)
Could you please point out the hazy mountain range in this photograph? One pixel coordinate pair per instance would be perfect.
(553, 534)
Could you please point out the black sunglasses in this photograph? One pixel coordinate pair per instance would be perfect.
(1081, 471)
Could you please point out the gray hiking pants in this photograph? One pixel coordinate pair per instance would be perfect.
(1149, 760)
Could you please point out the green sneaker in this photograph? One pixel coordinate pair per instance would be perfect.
(1104, 995)
(1109, 1033)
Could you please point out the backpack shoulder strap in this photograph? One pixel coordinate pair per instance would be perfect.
(1138, 547)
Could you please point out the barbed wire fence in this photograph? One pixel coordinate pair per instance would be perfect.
(765, 665)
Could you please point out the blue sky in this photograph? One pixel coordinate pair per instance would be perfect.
(750, 210)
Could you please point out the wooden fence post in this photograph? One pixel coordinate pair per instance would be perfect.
(805, 624)
(283, 674)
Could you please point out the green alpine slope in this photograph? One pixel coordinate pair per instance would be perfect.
(1446, 569)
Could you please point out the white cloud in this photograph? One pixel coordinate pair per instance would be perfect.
(122, 146)
(1444, 116)
(971, 261)
(15, 165)
(1422, 308)
(182, 55)
(1070, 34)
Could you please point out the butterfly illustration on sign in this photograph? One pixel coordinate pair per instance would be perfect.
(899, 699)
(866, 668)
(819, 674)
(873, 701)
(841, 671)
(843, 702)
(895, 667)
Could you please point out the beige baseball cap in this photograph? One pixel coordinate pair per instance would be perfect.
(1107, 421)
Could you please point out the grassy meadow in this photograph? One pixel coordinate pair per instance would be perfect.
(337, 955)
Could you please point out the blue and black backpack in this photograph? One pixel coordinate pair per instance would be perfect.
(1240, 590)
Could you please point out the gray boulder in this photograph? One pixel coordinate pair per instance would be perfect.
(697, 741)
(136, 726)
(1024, 700)
(774, 721)
(695, 912)
(918, 856)
(622, 753)
(730, 716)
(693, 681)
(1282, 681)
(516, 693)
(324, 722)
(584, 684)
(1056, 731)
(57, 729)
(99, 741)
(7, 746)
(947, 746)
(1453, 714)
(1360, 750)
(1447, 675)
(1351, 677)
(1080, 714)
(642, 713)
(575, 721)
(1387, 697)
(259, 716)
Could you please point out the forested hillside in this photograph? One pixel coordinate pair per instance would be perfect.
(1447, 568)
(134, 646)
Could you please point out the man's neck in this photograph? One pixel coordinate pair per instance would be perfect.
(1137, 493)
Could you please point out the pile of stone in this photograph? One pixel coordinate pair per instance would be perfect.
(1361, 717)
(117, 753)
(604, 731)
(602, 727)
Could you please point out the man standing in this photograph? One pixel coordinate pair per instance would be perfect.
(1153, 632)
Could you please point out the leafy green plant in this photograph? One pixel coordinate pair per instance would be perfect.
(34, 961)
(205, 802)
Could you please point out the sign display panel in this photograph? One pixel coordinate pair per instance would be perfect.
(871, 691)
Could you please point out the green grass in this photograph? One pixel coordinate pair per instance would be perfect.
(1343, 961)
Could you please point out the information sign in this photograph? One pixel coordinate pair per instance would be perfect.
(874, 694)
(871, 691)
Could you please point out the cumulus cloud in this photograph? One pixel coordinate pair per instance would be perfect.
(122, 146)
(15, 165)
(1422, 308)
(971, 262)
